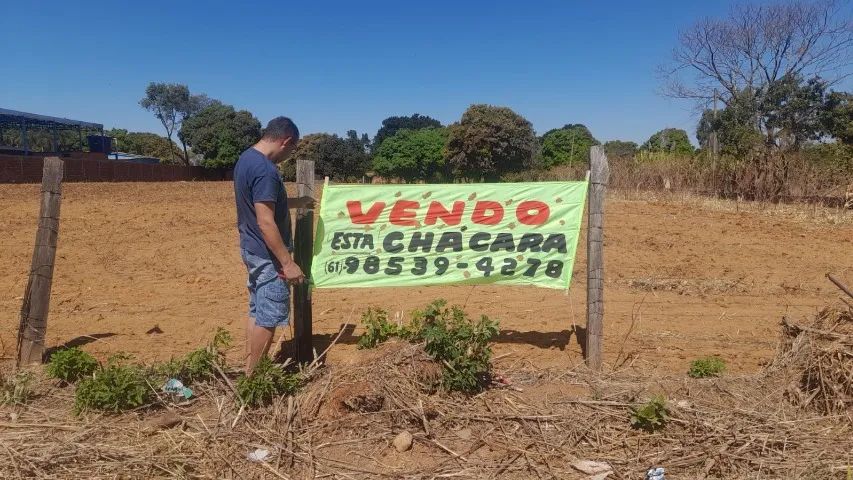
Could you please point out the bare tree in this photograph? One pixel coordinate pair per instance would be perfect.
(757, 45)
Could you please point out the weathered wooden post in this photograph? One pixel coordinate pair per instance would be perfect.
(31, 331)
(303, 253)
(599, 175)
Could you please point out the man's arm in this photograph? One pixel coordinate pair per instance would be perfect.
(265, 212)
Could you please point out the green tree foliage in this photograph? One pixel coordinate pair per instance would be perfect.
(669, 140)
(489, 141)
(791, 111)
(333, 156)
(619, 148)
(735, 125)
(838, 116)
(391, 125)
(566, 146)
(784, 116)
(41, 140)
(412, 155)
(172, 104)
(143, 143)
(220, 133)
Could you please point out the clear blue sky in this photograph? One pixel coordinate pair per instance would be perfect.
(335, 66)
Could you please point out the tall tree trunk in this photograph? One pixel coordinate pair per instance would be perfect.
(171, 142)
(186, 155)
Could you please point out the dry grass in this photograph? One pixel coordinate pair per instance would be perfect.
(533, 426)
(808, 213)
(817, 361)
(684, 286)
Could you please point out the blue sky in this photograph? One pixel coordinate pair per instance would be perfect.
(335, 66)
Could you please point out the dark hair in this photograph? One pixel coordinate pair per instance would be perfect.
(281, 127)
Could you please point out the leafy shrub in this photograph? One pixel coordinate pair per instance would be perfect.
(651, 416)
(377, 329)
(414, 331)
(459, 344)
(199, 364)
(266, 382)
(707, 367)
(15, 388)
(114, 387)
(71, 364)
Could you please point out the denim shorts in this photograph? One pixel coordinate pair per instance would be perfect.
(269, 295)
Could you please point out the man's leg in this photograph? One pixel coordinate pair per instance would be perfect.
(258, 341)
(250, 323)
(271, 307)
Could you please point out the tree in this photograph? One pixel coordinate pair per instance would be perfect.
(838, 116)
(791, 112)
(567, 145)
(333, 156)
(143, 143)
(619, 148)
(489, 141)
(669, 140)
(172, 104)
(758, 45)
(362, 142)
(194, 105)
(737, 133)
(413, 155)
(779, 118)
(220, 134)
(392, 125)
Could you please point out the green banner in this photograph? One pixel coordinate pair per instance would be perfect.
(469, 234)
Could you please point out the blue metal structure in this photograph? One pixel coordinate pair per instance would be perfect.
(24, 122)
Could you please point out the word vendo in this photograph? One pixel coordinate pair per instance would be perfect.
(405, 213)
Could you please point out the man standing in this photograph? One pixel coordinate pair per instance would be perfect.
(263, 220)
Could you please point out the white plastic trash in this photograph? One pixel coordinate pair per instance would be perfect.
(655, 473)
(259, 455)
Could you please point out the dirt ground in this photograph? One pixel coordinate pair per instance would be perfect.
(684, 277)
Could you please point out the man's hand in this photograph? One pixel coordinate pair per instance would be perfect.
(292, 273)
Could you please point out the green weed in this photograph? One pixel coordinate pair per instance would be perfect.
(377, 329)
(114, 387)
(15, 388)
(71, 365)
(651, 416)
(267, 381)
(707, 367)
(198, 365)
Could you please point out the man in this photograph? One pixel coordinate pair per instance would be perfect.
(266, 242)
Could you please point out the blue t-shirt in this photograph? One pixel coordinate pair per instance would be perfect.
(256, 179)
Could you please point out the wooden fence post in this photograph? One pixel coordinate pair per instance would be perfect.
(303, 253)
(33, 325)
(599, 175)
